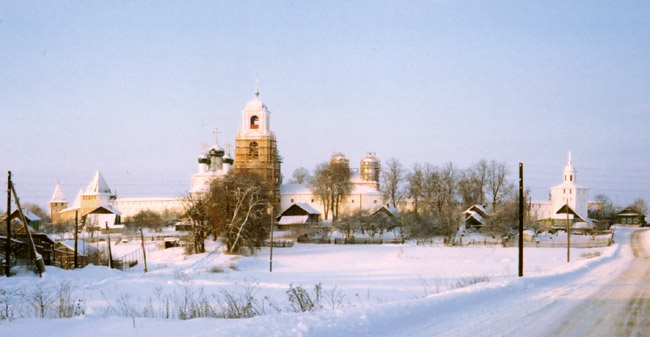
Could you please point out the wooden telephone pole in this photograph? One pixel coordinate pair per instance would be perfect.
(521, 219)
(8, 243)
(144, 252)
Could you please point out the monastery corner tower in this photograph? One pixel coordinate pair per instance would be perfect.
(256, 150)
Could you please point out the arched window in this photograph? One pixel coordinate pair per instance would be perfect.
(255, 122)
(253, 150)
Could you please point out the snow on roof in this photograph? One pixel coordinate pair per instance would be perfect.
(293, 219)
(475, 215)
(143, 199)
(106, 207)
(98, 186)
(389, 208)
(255, 104)
(295, 189)
(307, 208)
(76, 204)
(30, 216)
(82, 247)
(58, 196)
(359, 189)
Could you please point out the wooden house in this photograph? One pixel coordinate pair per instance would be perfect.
(630, 216)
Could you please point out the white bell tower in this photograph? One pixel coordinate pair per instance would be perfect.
(255, 118)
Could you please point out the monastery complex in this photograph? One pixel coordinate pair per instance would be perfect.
(256, 151)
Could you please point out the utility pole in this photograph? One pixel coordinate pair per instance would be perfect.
(110, 255)
(568, 235)
(521, 219)
(38, 259)
(8, 243)
(76, 226)
(144, 252)
(271, 242)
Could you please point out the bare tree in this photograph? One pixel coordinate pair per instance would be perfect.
(300, 176)
(342, 186)
(237, 210)
(322, 185)
(194, 206)
(496, 183)
(415, 180)
(431, 189)
(331, 184)
(640, 205)
(392, 180)
(472, 184)
(605, 211)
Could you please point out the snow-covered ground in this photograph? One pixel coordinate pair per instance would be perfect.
(387, 290)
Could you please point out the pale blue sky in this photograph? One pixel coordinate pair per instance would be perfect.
(132, 88)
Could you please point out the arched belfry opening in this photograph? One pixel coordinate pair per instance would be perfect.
(255, 122)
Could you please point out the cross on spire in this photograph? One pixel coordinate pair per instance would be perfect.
(257, 84)
(216, 133)
(228, 147)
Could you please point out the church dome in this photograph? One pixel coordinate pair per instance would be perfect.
(569, 168)
(203, 159)
(216, 151)
(255, 104)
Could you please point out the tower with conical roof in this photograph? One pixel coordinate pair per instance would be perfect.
(256, 149)
(57, 204)
(96, 194)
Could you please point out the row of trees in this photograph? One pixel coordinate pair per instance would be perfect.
(437, 194)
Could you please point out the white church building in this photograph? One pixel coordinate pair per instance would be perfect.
(567, 193)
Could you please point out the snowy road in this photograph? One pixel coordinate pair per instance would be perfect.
(611, 299)
(617, 307)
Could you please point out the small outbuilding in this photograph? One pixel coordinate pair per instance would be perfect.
(299, 214)
(475, 217)
(104, 216)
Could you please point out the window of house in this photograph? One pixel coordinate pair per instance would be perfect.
(375, 201)
(312, 200)
(291, 200)
(353, 201)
